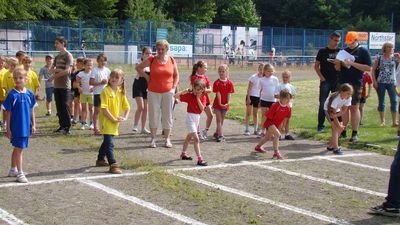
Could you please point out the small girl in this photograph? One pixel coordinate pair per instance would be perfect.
(253, 100)
(139, 93)
(276, 116)
(198, 72)
(223, 88)
(196, 101)
(113, 100)
(286, 77)
(98, 79)
(86, 93)
(268, 85)
(367, 84)
(335, 106)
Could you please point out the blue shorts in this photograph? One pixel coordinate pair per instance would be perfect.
(222, 111)
(49, 94)
(19, 142)
(96, 101)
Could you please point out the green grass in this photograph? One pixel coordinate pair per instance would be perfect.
(304, 118)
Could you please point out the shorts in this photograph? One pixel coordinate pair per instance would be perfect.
(254, 101)
(139, 88)
(75, 93)
(19, 142)
(268, 123)
(49, 94)
(331, 119)
(96, 101)
(86, 99)
(192, 122)
(222, 111)
(266, 103)
(363, 100)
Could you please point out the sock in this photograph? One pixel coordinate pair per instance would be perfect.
(21, 172)
(14, 169)
(354, 133)
(282, 136)
(246, 127)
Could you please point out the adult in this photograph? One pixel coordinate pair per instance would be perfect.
(162, 82)
(327, 72)
(384, 79)
(352, 72)
(391, 207)
(62, 68)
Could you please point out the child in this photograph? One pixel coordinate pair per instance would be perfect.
(286, 77)
(20, 55)
(268, 84)
(113, 100)
(8, 81)
(76, 107)
(2, 90)
(98, 79)
(335, 106)
(278, 113)
(196, 101)
(33, 79)
(223, 88)
(139, 93)
(86, 93)
(253, 100)
(198, 72)
(49, 85)
(19, 104)
(367, 80)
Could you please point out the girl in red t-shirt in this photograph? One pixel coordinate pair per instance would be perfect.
(276, 116)
(196, 101)
(198, 72)
(223, 88)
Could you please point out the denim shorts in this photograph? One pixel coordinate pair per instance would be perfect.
(49, 94)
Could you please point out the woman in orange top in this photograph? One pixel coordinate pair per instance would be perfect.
(162, 82)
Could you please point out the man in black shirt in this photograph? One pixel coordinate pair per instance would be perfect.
(327, 72)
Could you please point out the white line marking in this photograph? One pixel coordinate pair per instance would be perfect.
(262, 199)
(324, 181)
(10, 218)
(358, 164)
(223, 165)
(142, 203)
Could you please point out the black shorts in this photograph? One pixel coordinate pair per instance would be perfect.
(139, 88)
(254, 101)
(75, 92)
(96, 101)
(363, 100)
(266, 103)
(355, 99)
(331, 119)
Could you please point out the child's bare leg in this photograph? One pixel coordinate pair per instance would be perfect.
(273, 132)
(263, 118)
(18, 160)
(91, 112)
(139, 110)
(96, 118)
(255, 118)
(196, 145)
(209, 119)
(84, 113)
(247, 118)
(77, 110)
(219, 122)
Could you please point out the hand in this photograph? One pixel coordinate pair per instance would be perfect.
(91, 89)
(104, 81)
(8, 134)
(375, 85)
(121, 118)
(33, 129)
(248, 101)
(51, 78)
(322, 79)
(348, 62)
(367, 96)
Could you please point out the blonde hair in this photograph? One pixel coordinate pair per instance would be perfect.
(268, 66)
(200, 83)
(12, 61)
(20, 72)
(27, 59)
(285, 93)
(224, 67)
(163, 43)
(120, 73)
(386, 45)
(288, 72)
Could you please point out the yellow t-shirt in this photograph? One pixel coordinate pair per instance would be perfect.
(33, 81)
(114, 102)
(8, 81)
(2, 90)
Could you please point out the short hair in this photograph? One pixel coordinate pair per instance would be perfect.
(85, 61)
(224, 67)
(12, 61)
(288, 72)
(268, 66)
(163, 43)
(335, 34)
(285, 93)
(62, 40)
(20, 72)
(102, 55)
(199, 83)
(80, 60)
(386, 45)
(20, 53)
(27, 59)
(345, 88)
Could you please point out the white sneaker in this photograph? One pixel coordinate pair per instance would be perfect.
(145, 131)
(21, 178)
(12, 173)
(135, 129)
(246, 133)
(168, 143)
(83, 126)
(153, 143)
(91, 126)
(204, 134)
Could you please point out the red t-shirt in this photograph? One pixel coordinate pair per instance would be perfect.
(366, 80)
(193, 106)
(276, 114)
(224, 88)
(206, 80)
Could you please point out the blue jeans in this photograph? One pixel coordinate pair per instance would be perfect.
(381, 97)
(107, 149)
(325, 87)
(393, 197)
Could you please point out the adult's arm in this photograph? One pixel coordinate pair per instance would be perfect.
(140, 68)
(318, 70)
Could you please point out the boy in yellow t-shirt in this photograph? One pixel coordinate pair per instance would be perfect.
(20, 55)
(8, 81)
(2, 91)
(33, 79)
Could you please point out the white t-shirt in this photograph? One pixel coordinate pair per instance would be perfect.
(255, 85)
(98, 75)
(268, 86)
(337, 103)
(85, 77)
(287, 86)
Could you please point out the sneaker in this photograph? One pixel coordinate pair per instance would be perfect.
(83, 126)
(200, 136)
(12, 173)
(382, 210)
(73, 122)
(330, 149)
(168, 143)
(220, 139)
(260, 149)
(289, 137)
(153, 143)
(101, 163)
(338, 151)
(186, 157)
(48, 114)
(91, 126)
(202, 162)
(215, 136)
(277, 155)
(383, 124)
(246, 133)
(343, 134)
(256, 132)
(204, 134)
(354, 138)
(59, 130)
(261, 135)
(66, 131)
(22, 179)
(114, 168)
(145, 131)
(135, 129)
(320, 129)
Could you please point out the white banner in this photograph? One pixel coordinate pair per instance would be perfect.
(377, 39)
(252, 43)
(181, 50)
(240, 37)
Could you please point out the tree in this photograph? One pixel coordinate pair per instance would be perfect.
(96, 9)
(241, 12)
(142, 10)
(194, 11)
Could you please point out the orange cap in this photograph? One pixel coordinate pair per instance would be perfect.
(351, 36)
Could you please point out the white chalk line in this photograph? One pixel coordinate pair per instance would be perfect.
(324, 181)
(245, 163)
(10, 218)
(142, 203)
(261, 199)
(358, 164)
